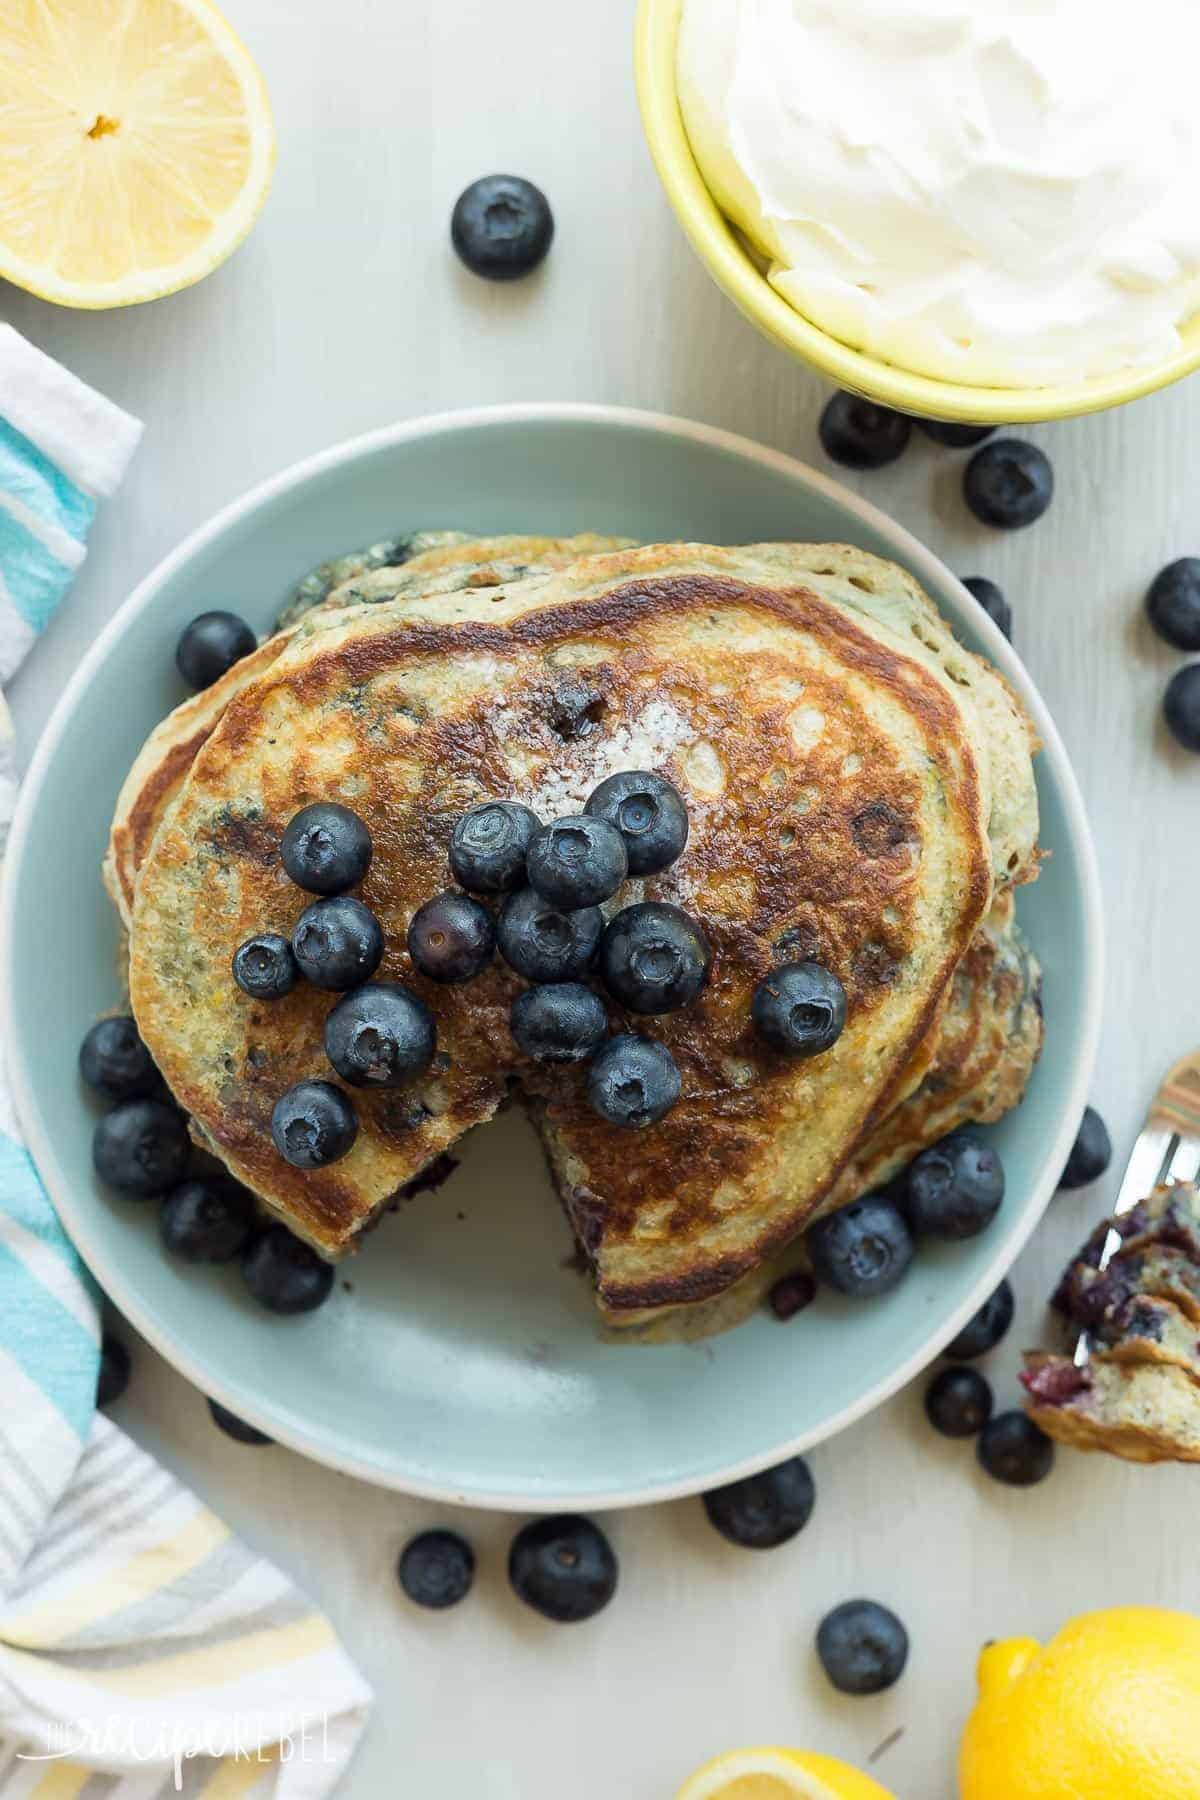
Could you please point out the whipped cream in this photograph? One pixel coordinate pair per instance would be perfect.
(990, 191)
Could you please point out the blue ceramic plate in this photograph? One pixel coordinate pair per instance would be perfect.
(465, 1363)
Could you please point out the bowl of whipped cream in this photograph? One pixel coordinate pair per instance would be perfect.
(981, 210)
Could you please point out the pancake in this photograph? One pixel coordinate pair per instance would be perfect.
(841, 786)
(1141, 1412)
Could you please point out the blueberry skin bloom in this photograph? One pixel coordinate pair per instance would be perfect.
(338, 943)
(1173, 603)
(863, 1647)
(141, 1148)
(502, 227)
(799, 1009)
(559, 1022)
(264, 966)
(284, 1274)
(380, 1036)
(859, 434)
(863, 1249)
(1181, 707)
(210, 1220)
(1014, 1450)
(544, 943)
(1008, 484)
(326, 848)
(115, 1062)
(654, 958)
(633, 1082)
(764, 1510)
(984, 1329)
(564, 1568)
(313, 1124)
(649, 812)
(958, 1402)
(488, 846)
(577, 862)
(209, 646)
(955, 1188)
(1091, 1152)
(437, 1569)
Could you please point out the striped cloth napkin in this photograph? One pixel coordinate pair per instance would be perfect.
(143, 1648)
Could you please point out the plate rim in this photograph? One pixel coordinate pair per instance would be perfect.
(929, 570)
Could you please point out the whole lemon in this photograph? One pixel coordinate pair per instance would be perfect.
(1110, 1709)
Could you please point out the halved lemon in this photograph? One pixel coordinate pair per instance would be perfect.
(775, 1774)
(136, 147)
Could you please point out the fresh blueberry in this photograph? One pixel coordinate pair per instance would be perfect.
(437, 1569)
(1008, 483)
(561, 1022)
(141, 1148)
(760, 1511)
(799, 1008)
(577, 862)
(326, 848)
(984, 1329)
(861, 435)
(543, 944)
(114, 1061)
(863, 1647)
(791, 1294)
(209, 1220)
(1014, 1450)
(955, 1188)
(114, 1372)
(338, 943)
(954, 437)
(992, 600)
(501, 227)
(564, 1567)
(488, 846)
(1181, 707)
(313, 1124)
(284, 1274)
(264, 966)
(862, 1249)
(654, 958)
(452, 938)
(634, 1082)
(650, 815)
(381, 1035)
(1091, 1152)
(210, 645)
(1173, 603)
(237, 1429)
(958, 1402)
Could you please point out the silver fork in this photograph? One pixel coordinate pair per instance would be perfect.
(1167, 1152)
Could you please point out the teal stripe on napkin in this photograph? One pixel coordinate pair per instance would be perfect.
(34, 579)
(41, 486)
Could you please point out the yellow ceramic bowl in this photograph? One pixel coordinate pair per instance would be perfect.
(734, 269)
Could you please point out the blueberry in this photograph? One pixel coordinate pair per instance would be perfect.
(488, 845)
(1014, 1450)
(861, 435)
(264, 966)
(958, 1402)
(210, 1220)
(501, 227)
(791, 1294)
(1091, 1152)
(313, 1124)
(650, 815)
(1008, 484)
(381, 1035)
(452, 938)
(1181, 707)
(437, 1569)
(862, 1249)
(564, 1567)
(633, 1082)
(210, 645)
(543, 944)
(760, 1511)
(799, 1008)
(984, 1329)
(560, 1022)
(654, 958)
(338, 943)
(863, 1647)
(141, 1147)
(992, 600)
(1173, 603)
(326, 848)
(577, 862)
(955, 1188)
(237, 1429)
(284, 1274)
(954, 437)
(114, 1372)
(114, 1060)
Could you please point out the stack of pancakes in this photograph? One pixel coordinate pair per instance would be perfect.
(860, 790)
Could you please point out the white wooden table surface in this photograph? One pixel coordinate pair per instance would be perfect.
(345, 310)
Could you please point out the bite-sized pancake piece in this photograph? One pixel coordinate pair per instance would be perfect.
(1168, 1218)
(837, 810)
(1091, 1299)
(1147, 1329)
(1141, 1412)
